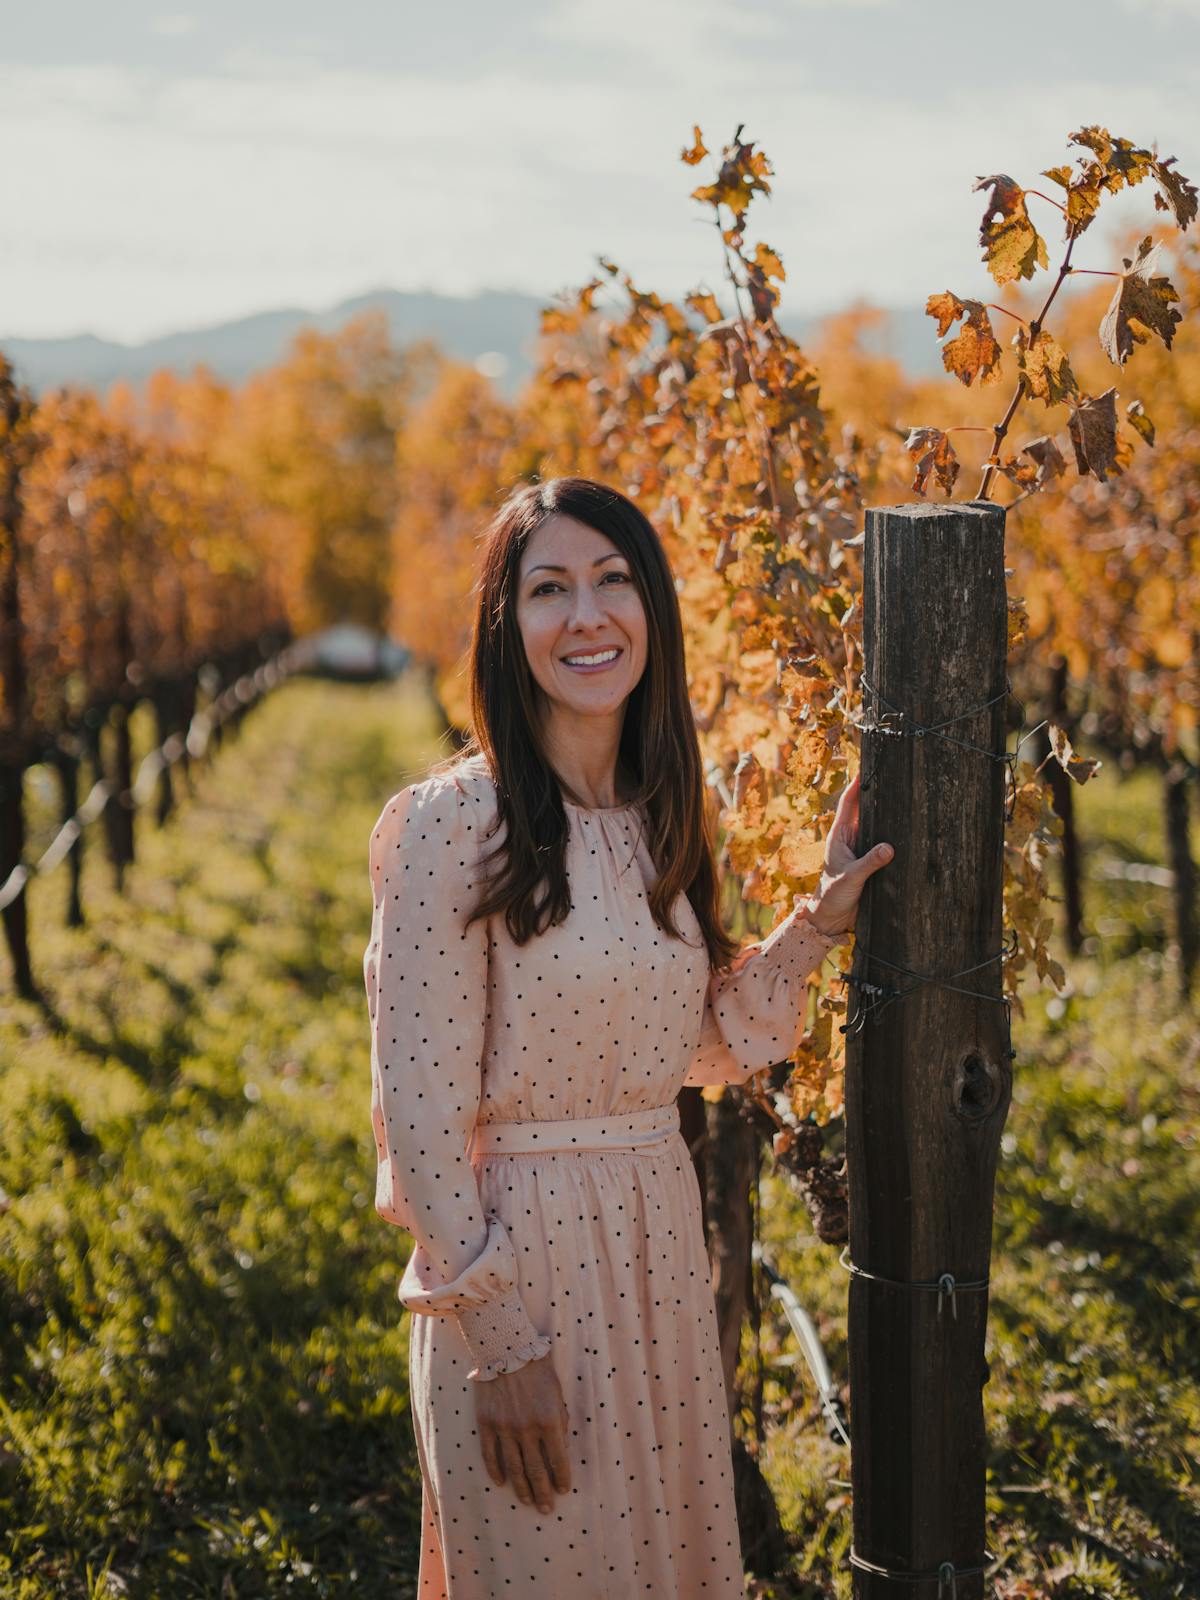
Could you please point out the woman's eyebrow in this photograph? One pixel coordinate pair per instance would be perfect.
(550, 566)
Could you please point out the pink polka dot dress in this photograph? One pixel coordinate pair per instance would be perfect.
(523, 1103)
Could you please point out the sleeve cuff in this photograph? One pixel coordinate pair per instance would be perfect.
(802, 915)
(500, 1336)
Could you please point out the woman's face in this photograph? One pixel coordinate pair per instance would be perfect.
(576, 596)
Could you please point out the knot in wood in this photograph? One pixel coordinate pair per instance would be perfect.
(976, 1089)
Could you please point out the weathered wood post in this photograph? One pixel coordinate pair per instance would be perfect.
(928, 1075)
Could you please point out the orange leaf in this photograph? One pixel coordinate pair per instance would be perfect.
(975, 353)
(697, 151)
(1012, 246)
(933, 453)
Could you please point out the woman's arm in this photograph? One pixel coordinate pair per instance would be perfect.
(426, 978)
(752, 1011)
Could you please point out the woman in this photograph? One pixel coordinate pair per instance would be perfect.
(532, 1024)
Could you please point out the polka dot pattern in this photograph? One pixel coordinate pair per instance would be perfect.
(590, 1248)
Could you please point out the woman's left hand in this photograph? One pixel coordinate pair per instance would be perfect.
(833, 908)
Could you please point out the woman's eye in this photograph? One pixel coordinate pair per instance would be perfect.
(549, 584)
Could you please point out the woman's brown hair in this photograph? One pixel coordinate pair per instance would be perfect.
(659, 749)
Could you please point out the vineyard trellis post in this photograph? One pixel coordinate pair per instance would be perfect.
(928, 1068)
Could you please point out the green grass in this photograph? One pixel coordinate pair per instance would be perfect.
(204, 1361)
(205, 1365)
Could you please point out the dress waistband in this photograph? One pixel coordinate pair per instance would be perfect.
(650, 1127)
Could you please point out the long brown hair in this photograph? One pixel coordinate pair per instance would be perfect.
(659, 749)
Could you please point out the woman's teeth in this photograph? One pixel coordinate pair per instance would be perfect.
(590, 662)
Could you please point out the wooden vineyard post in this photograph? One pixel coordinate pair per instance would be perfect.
(928, 1070)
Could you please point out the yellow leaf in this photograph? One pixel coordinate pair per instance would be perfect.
(1012, 246)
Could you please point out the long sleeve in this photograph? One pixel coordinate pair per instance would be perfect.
(752, 1010)
(426, 977)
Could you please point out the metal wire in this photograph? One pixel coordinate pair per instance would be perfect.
(945, 1575)
(945, 1285)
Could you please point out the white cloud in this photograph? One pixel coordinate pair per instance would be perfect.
(175, 25)
(150, 203)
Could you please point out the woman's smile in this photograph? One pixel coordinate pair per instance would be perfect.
(592, 660)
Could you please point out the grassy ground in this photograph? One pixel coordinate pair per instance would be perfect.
(204, 1363)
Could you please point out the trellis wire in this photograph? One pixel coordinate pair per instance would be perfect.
(945, 1575)
(242, 692)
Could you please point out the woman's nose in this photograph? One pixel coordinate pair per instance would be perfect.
(586, 609)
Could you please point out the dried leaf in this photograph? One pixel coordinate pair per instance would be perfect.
(1119, 160)
(1093, 429)
(1136, 415)
(1080, 768)
(1178, 196)
(744, 172)
(1115, 164)
(697, 151)
(1022, 473)
(1045, 368)
(764, 296)
(1083, 195)
(749, 789)
(933, 453)
(1142, 297)
(1050, 461)
(705, 305)
(1012, 246)
(1018, 621)
(769, 263)
(975, 353)
(1045, 463)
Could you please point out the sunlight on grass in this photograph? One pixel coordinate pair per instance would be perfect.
(206, 1366)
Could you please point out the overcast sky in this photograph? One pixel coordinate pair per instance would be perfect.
(167, 168)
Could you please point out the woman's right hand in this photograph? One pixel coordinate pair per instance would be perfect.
(520, 1415)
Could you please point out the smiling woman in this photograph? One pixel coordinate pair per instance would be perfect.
(584, 634)
(531, 1031)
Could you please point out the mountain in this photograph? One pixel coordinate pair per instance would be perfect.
(495, 328)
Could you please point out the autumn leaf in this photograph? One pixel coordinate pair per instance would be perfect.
(1120, 161)
(749, 789)
(705, 304)
(1018, 621)
(769, 263)
(1044, 366)
(1093, 430)
(933, 453)
(764, 296)
(744, 172)
(1049, 458)
(975, 353)
(1136, 415)
(1142, 298)
(1178, 196)
(1012, 246)
(802, 858)
(1083, 195)
(1022, 473)
(1115, 164)
(1080, 768)
(1045, 463)
(697, 151)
